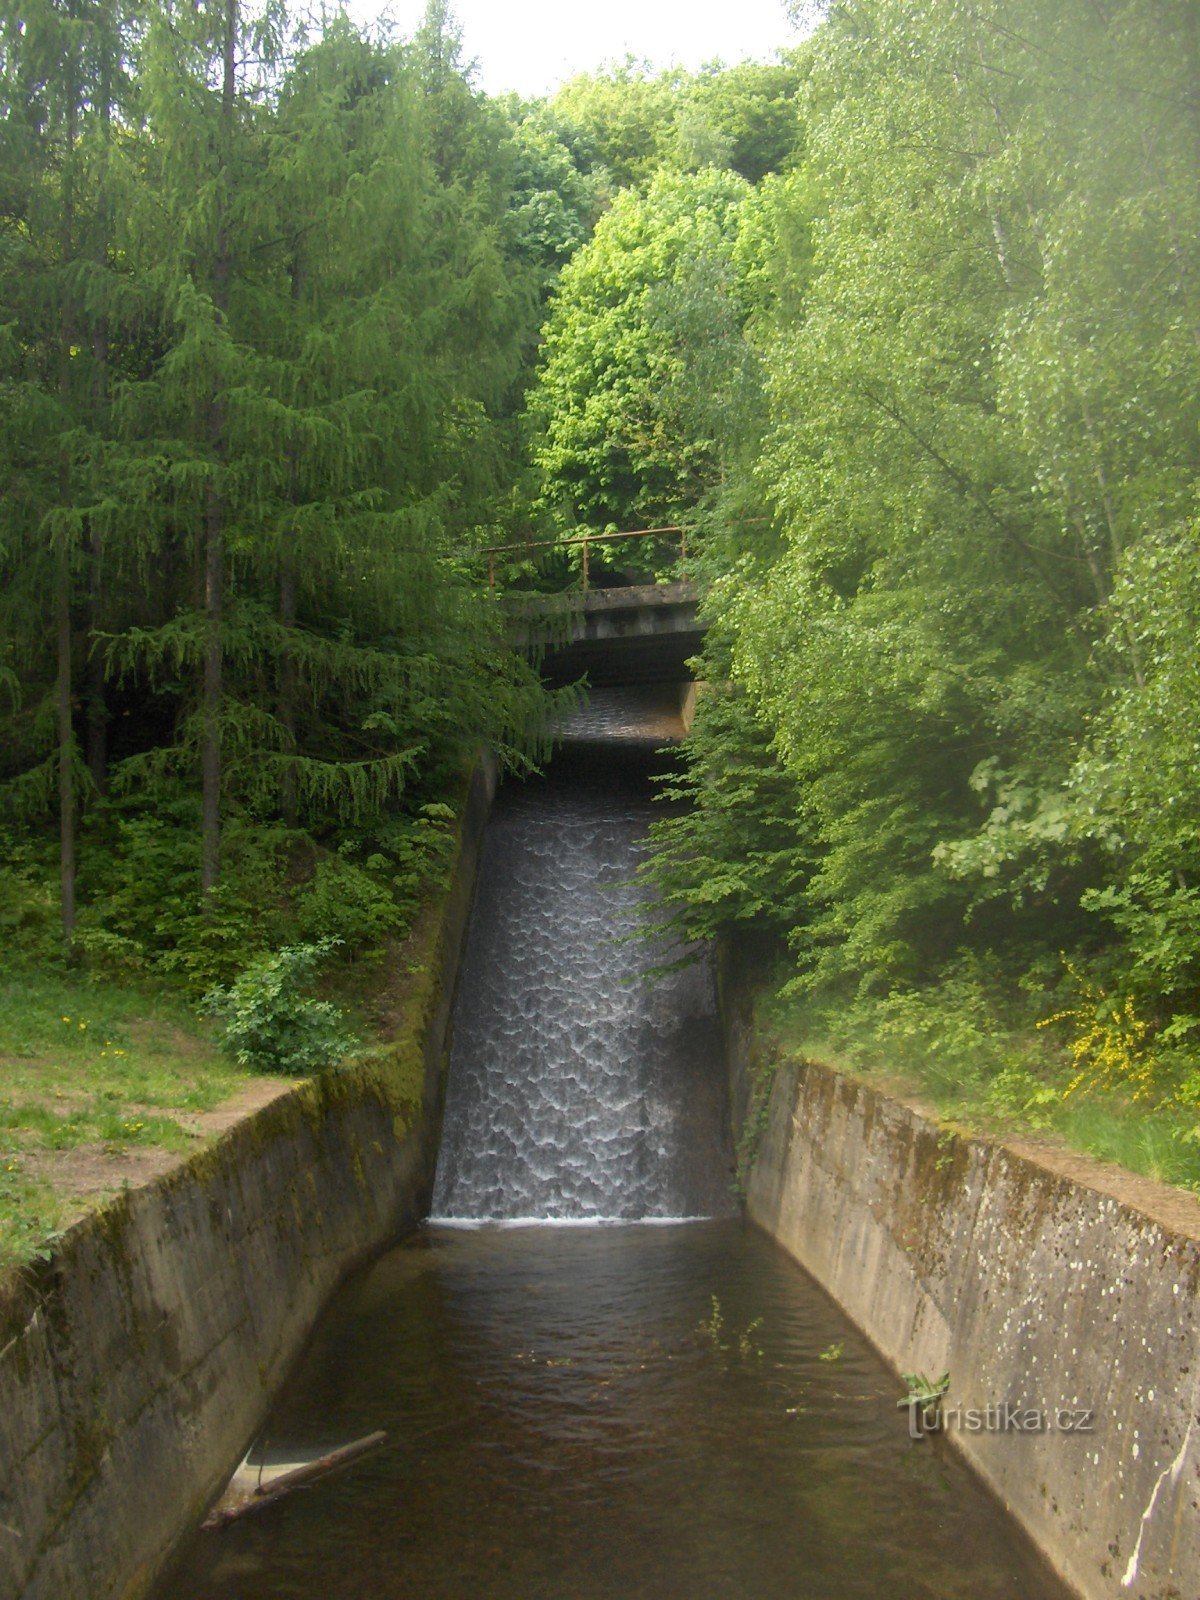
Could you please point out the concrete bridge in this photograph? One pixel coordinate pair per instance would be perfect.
(631, 634)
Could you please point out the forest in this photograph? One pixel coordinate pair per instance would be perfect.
(904, 327)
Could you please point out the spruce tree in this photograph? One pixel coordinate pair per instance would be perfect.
(61, 71)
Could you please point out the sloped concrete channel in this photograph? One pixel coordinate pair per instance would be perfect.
(136, 1370)
(596, 1383)
(1065, 1312)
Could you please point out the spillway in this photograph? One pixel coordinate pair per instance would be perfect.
(581, 1090)
(602, 1411)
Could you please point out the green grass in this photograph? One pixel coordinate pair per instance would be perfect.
(97, 1065)
(1157, 1143)
(981, 1064)
(130, 1042)
(30, 1214)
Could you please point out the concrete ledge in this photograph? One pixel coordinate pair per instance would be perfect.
(629, 634)
(136, 1367)
(577, 603)
(1033, 1289)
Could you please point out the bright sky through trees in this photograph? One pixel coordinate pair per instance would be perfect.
(534, 45)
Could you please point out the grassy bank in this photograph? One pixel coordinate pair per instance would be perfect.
(979, 1063)
(114, 1070)
(105, 1084)
(100, 1084)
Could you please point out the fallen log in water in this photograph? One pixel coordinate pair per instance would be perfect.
(236, 1502)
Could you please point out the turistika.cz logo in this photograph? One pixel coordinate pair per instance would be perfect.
(1000, 1417)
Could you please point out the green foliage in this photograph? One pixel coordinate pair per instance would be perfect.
(712, 1330)
(619, 123)
(749, 112)
(924, 1398)
(250, 448)
(28, 901)
(1135, 792)
(418, 852)
(554, 205)
(973, 653)
(624, 439)
(144, 911)
(625, 124)
(344, 903)
(372, 886)
(957, 1037)
(731, 852)
(271, 1025)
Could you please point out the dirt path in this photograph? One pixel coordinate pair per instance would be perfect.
(88, 1174)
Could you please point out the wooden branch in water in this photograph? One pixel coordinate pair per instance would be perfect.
(230, 1510)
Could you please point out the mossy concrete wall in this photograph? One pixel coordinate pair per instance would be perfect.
(1035, 1289)
(136, 1367)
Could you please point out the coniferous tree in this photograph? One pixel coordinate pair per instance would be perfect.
(62, 70)
(266, 324)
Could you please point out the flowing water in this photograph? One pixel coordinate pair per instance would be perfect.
(580, 1092)
(668, 1410)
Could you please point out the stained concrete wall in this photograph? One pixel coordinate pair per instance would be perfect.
(688, 693)
(626, 635)
(1032, 1287)
(137, 1367)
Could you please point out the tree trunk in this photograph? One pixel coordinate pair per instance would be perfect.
(97, 705)
(287, 616)
(234, 1505)
(210, 751)
(214, 511)
(67, 804)
(66, 747)
(97, 702)
(287, 685)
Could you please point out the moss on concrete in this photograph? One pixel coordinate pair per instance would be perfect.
(956, 1252)
(215, 1271)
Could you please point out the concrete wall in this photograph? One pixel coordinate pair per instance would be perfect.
(136, 1367)
(1031, 1287)
(687, 703)
(626, 635)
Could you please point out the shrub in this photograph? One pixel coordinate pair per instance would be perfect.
(29, 909)
(271, 1025)
(343, 902)
(141, 907)
(372, 887)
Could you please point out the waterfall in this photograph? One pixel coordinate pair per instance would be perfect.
(579, 1090)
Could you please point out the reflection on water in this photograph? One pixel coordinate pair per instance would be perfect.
(561, 1428)
(647, 715)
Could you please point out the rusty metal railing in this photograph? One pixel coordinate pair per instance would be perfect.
(584, 541)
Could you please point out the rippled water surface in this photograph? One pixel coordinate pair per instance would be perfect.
(579, 1089)
(648, 716)
(568, 1421)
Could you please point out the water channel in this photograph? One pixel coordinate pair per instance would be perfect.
(597, 1383)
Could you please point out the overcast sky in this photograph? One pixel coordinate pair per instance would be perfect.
(534, 45)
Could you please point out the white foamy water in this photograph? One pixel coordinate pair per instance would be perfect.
(579, 1090)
